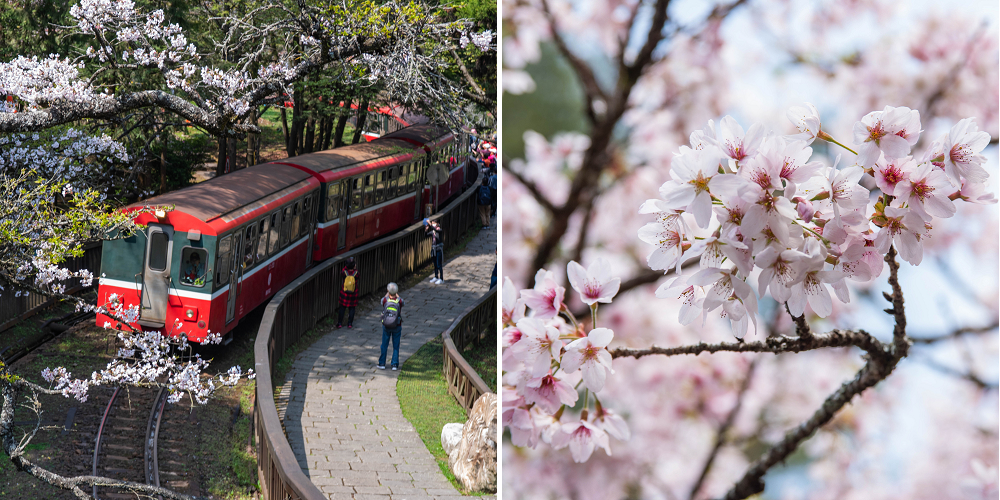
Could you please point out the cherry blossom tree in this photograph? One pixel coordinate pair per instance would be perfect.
(781, 242)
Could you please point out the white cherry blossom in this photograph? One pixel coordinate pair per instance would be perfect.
(591, 357)
(595, 283)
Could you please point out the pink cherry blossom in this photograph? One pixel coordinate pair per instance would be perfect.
(512, 307)
(806, 119)
(889, 173)
(902, 229)
(549, 393)
(595, 283)
(962, 147)
(546, 299)
(581, 437)
(926, 191)
(736, 144)
(591, 357)
(889, 131)
(696, 179)
(539, 345)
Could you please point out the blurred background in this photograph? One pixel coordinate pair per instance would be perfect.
(931, 429)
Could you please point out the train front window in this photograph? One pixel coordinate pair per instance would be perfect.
(158, 251)
(194, 262)
(225, 254)
(369, 190)
(380, 186)
(262, 230)
(248, 244)
(272, 238)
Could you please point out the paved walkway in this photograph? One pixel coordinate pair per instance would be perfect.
(342, 416)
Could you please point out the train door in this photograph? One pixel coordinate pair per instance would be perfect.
(309, 221)
(235, 273)
(156, 275)
(413, 184)
(343, 203)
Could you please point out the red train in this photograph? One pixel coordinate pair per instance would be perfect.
(229, 243)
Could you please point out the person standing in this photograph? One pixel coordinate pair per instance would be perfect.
(392, 325)
(493, 189)
(348, 293)
(433, 229)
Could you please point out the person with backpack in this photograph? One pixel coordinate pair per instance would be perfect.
(484, 198)
(433, 229)
(348, 293)
(392, 325)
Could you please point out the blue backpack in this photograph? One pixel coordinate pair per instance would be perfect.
(484, 196)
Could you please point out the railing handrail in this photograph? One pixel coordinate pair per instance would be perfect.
(451, 351)
(287, 466)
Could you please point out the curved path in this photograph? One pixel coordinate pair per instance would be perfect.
(341, 414)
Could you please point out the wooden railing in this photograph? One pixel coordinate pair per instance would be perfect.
(14, 309)
(474, 325)
(300, 305)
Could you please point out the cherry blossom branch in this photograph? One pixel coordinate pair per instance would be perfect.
(774, 345)
(899, 342)
(964, 375)
(531, 187)
(801, 325)
(720, 436)
(583, 72)
(969, 330)
(874, 371)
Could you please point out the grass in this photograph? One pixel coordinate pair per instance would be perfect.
(426, 403)
(482, 356)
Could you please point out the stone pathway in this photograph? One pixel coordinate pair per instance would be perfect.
(341, 414)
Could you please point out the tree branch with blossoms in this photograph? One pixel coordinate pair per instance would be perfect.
(750, 207)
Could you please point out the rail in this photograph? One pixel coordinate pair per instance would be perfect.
(474, 325)
(14, 309)
(300, 305)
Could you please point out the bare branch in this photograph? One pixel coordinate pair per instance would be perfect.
(969, 330)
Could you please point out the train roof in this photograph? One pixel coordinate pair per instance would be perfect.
(402, 141)
(220, 195)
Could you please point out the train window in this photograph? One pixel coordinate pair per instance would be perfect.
(332, 200)
(306, 215)
(390, 190)
(158, 251)
(272, 238)
(411, 177)
(286, 215)
(249, 238)
(194, 261)
(380, 186)
(262, 230)
(356, 195)
(296, 217)
(222, 263)
(369, 197)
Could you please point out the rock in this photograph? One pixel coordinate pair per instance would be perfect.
(451, 434)
(474, 460)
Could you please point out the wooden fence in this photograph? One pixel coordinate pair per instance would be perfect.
(474, 325)
(15, 309)
(314, 295)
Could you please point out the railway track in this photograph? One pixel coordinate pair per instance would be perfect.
(141, 438)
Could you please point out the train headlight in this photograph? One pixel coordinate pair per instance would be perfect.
(190, 314)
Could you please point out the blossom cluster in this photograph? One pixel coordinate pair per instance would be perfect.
(483, 41)
(760, 207)
(67, 156)
(145, 359)
(38, 81)
(542, 353)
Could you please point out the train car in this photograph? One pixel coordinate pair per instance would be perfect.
(214, 251)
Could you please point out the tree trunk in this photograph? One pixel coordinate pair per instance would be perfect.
(362, 115)
(220, 167)
(329, 132)
(231, 156)
(163, 160)
(284, 127)
(310, 136)
(338, 133)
